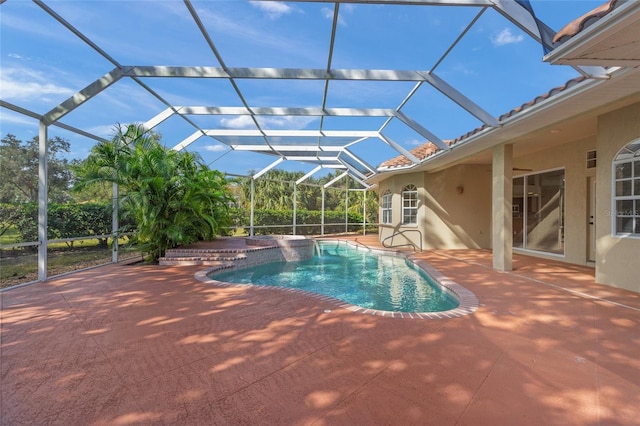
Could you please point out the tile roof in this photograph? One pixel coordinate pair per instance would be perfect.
(577, 25)
(427, 149)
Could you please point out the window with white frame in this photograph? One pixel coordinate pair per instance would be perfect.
(386, 207)
(410, 205)
(626, 190)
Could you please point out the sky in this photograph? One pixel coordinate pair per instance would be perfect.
(42, 63)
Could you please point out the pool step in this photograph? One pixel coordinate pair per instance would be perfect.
(206, 257)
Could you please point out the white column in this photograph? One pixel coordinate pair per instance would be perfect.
(346, 207)
(43, 186)
(253, 192)
(364, 212)
(322, 215)
(115, 223)
(295, 205)
(502, 199)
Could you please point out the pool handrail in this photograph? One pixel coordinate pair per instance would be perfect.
(406, 244)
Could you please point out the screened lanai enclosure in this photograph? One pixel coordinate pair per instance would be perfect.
(325, 91)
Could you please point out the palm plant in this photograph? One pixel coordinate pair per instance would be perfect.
(171, 196)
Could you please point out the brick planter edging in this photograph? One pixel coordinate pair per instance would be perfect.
(468, 303)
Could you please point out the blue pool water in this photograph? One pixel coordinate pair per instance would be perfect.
(358, 277)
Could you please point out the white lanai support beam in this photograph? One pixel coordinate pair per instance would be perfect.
(356, 175)
(335, 179)
(308, 175)
(269, 167)
(523, 19)
(360, 161)
(188, 141)
(284, 111)
(457, 97)
(403, 103)
(82, 96)
(77, 32)
(305, 148)
(273, 73)
(325, 90)
(422, 131)
(310, 158)
(400, 149)
(78, 131)
(519, 16)
(353, 170)
(225, 69)
(38, 117)
(159, 118)
(293, 133)
(457, 40)
(405, 2)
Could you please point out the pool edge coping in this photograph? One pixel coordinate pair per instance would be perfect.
(468, 302)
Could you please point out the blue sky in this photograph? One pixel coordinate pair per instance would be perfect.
(42, 63)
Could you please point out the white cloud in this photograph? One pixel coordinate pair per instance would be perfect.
(285, 122)
(506, 37)
(215, 148)
(9, 117)
(106, 131)
(464, 69)
(240, 122)
(273, 9)
(327, 13)
(279, 122)
(255, 35)
(21, 84)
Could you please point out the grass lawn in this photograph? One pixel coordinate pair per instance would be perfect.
(20, 265)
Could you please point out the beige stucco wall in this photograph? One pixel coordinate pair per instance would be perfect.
(617, 258)
(450, 220)
(395, 184)
(447, 219)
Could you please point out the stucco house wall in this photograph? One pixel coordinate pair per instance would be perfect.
(454, 208)
(395, 185)
(617, 257)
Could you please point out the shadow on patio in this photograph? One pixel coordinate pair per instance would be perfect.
(137, 344)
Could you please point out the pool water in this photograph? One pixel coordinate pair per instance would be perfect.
(359, 277)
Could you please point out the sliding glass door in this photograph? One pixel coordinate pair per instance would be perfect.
(538, 212)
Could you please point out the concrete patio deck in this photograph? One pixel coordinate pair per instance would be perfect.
(139, 344)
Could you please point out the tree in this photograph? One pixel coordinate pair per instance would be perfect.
(19, 170)
(274, 191)
(172, 196)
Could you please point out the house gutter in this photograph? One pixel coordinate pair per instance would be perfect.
(494, 136)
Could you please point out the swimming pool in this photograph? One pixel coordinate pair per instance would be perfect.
(359, 277)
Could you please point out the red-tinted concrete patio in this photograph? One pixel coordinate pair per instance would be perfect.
(136, 344)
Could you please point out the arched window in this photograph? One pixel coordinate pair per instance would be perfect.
(386, 207)
(410, 205)
(626, 190)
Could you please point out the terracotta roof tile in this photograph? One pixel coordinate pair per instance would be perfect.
(577, 25)
(427, 149)
(421, 152)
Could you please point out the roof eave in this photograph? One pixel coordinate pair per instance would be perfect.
(511, 128)
(575, 50)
